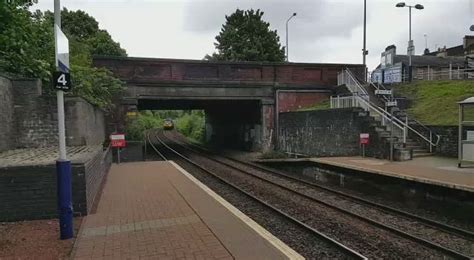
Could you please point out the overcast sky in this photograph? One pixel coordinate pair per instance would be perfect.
(322, 31)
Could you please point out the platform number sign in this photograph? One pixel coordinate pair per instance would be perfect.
(62, 81)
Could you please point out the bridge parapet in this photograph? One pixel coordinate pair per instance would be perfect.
(197, 72)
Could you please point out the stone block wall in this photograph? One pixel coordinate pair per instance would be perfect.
(95, 174)
(448, 145)
(29, 119)
(332, 132)
(6, 114)
(29, 192)
(85, 124)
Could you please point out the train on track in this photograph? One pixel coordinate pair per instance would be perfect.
(168, 124)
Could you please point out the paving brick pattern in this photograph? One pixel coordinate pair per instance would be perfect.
(141, 215)
(433, 170)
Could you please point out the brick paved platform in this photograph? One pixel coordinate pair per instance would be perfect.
(432, 170)
(157, 210)
(439, 171)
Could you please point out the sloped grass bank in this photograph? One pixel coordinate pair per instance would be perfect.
(435, 102)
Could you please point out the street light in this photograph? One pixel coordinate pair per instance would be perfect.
(293, 15)
(411, 47)
(364, 48)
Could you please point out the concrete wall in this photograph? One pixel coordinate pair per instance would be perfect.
(448, 145)
(6, 114)
(332, 132)
(29, 192)
(29, 119)
(85, 123)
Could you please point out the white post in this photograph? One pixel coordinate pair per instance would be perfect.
(431, 141)
(63, 166)
(59, 93)
(450, 71)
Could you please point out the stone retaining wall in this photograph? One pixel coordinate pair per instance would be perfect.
(29, 119)
(332, 132)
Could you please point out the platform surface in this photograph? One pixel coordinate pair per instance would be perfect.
(157, 210)
(46, 155)
(432, 170)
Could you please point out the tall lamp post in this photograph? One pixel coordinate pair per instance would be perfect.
(364, 49)
(293, 15)
(411, 47)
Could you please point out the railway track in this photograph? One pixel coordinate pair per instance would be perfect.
(342, 251)
(451, 234)
(455, 236)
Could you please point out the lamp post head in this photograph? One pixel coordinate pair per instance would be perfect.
(294, 14)
(401, 4)
(472, 28)
(419, 7)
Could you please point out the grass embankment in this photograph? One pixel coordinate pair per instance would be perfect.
(319, 106)
(435, 102)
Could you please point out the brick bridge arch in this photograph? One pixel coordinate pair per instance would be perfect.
(250, 93)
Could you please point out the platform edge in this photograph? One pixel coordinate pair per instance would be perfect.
(274, 241)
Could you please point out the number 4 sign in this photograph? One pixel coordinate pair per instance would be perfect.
(62, 81)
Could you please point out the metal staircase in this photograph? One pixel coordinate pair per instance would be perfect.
(409, 133)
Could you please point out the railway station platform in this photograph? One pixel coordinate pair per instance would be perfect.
(157, 210)
(439, 171)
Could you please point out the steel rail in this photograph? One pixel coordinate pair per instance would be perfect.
(153, 146)
(420, 240)
(339, 245)
(446, 228)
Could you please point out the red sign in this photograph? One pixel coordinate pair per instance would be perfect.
(117, 140)
(364, 139)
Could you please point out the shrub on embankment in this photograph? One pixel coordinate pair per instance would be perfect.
(435, 102)
(188, 123)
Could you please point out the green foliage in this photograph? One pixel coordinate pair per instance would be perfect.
(435, 102)
(246, 37)
(318, 106)
(98, 86)
(102, 44)
(83, 28)
(26, 45)
(189, 123)
(27, 48)
(144, 121)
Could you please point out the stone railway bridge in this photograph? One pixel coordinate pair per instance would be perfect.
(241, 100)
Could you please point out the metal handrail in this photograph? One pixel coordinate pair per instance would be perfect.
(400, 124)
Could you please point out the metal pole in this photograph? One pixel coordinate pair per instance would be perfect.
(287, 49)
(287, 39)
(460, 135)
(364, 50)
(391, 136)
(63, 166)
(409, 44)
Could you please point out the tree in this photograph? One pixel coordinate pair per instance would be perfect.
(26, 47)
(83, 28)
(246, 37)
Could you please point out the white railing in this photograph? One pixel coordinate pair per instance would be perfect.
(443, 74)
(381, 115)
(362, 101)
(347, 78)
